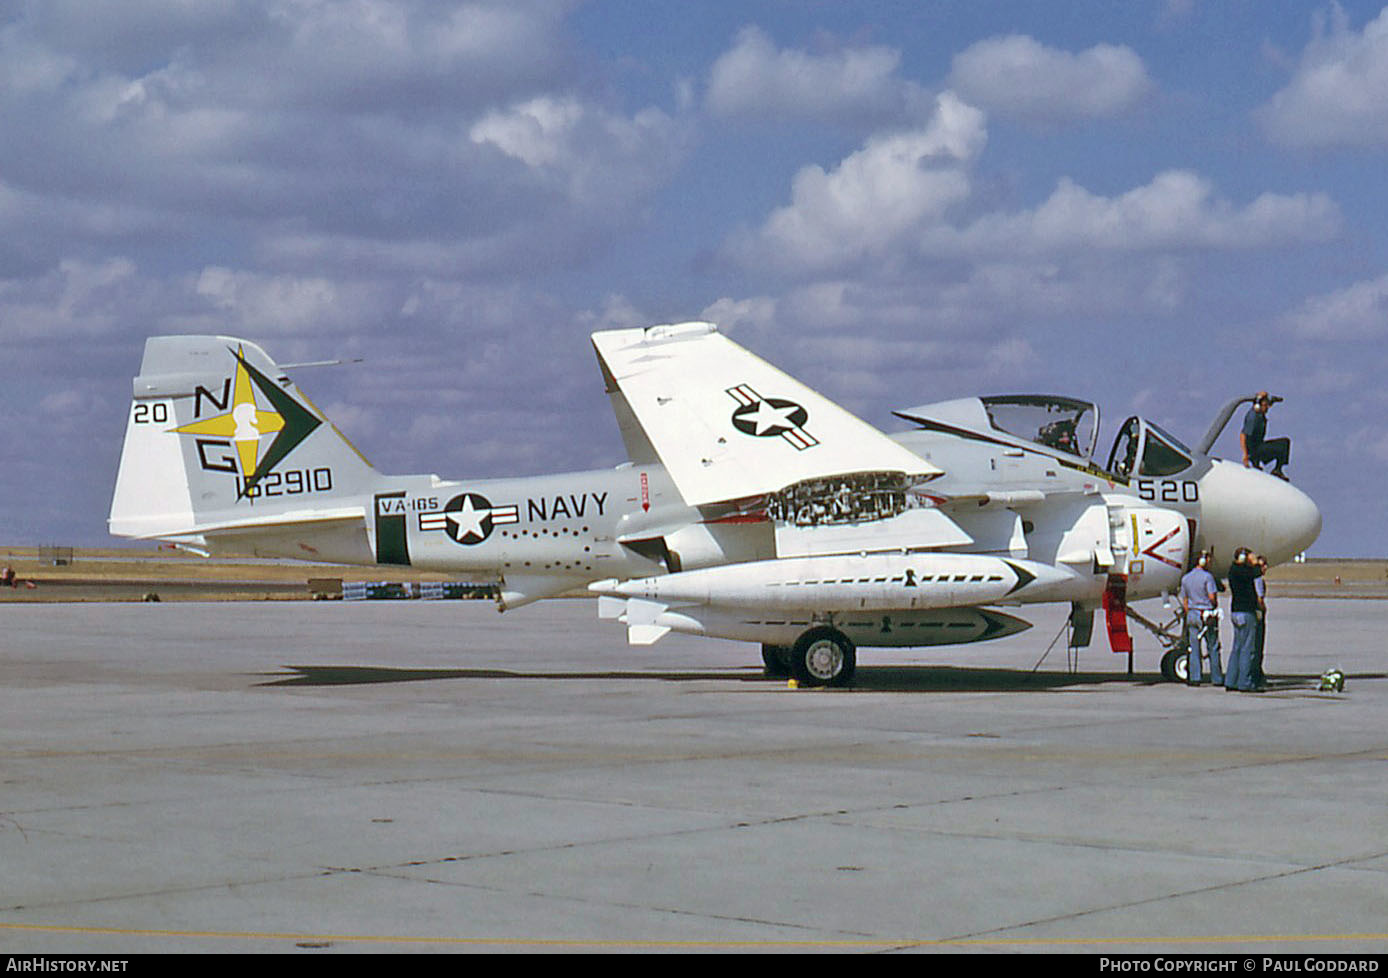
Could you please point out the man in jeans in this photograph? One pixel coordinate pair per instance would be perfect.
(1200, 598)
(1260, 589)
(1243, 602)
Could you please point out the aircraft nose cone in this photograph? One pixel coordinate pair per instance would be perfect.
(1301, 520)
(1244, 507)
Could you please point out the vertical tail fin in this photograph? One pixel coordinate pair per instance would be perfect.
(219, 440)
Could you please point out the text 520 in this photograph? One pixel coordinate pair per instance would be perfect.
(1169, 490)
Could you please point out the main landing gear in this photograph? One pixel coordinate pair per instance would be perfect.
(822, 656)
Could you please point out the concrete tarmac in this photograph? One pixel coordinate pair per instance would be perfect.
(432, 776)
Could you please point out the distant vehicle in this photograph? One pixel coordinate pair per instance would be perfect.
(752, 507)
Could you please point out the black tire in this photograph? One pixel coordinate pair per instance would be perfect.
(775, 661)
(823, 657)
(1175, 666)
(1180, 666)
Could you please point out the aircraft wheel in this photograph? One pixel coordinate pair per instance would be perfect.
(775, 661)
(823, 657)
(1175, 666)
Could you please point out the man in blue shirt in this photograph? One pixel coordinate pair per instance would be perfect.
(1258, 449)
(1200, 601)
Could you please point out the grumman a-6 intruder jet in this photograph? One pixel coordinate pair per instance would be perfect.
(752, 508)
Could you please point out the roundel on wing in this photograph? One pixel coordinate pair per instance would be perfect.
(769, 416)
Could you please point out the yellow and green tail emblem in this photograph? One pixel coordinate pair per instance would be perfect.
(262, 436)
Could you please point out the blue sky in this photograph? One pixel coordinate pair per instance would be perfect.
(1155, 205)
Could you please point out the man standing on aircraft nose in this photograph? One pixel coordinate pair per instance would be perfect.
(1256, 448)
(1200, 601)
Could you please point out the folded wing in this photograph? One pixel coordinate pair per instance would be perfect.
(728, 425)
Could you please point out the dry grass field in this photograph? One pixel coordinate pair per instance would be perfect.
(134, 574)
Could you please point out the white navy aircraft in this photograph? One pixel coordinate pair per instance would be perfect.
(752, 508)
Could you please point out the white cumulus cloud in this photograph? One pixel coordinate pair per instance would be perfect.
(904, 197)
(1177, 210)
(1017, 76)
(756, 79)
(897, 182)
(597, 157)
(1356, 312)
(1338, 95)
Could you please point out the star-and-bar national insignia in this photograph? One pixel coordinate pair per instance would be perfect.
(469, 518)
(768, 417)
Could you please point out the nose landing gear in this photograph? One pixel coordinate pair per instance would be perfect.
(1175, 664)
(1175, 661)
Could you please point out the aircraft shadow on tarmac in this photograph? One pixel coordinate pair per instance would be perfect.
(877, 679)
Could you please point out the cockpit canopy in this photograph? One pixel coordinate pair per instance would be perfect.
(1153, 450)
(1062, 423)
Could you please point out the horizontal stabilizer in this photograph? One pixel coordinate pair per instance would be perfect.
(338, 536)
